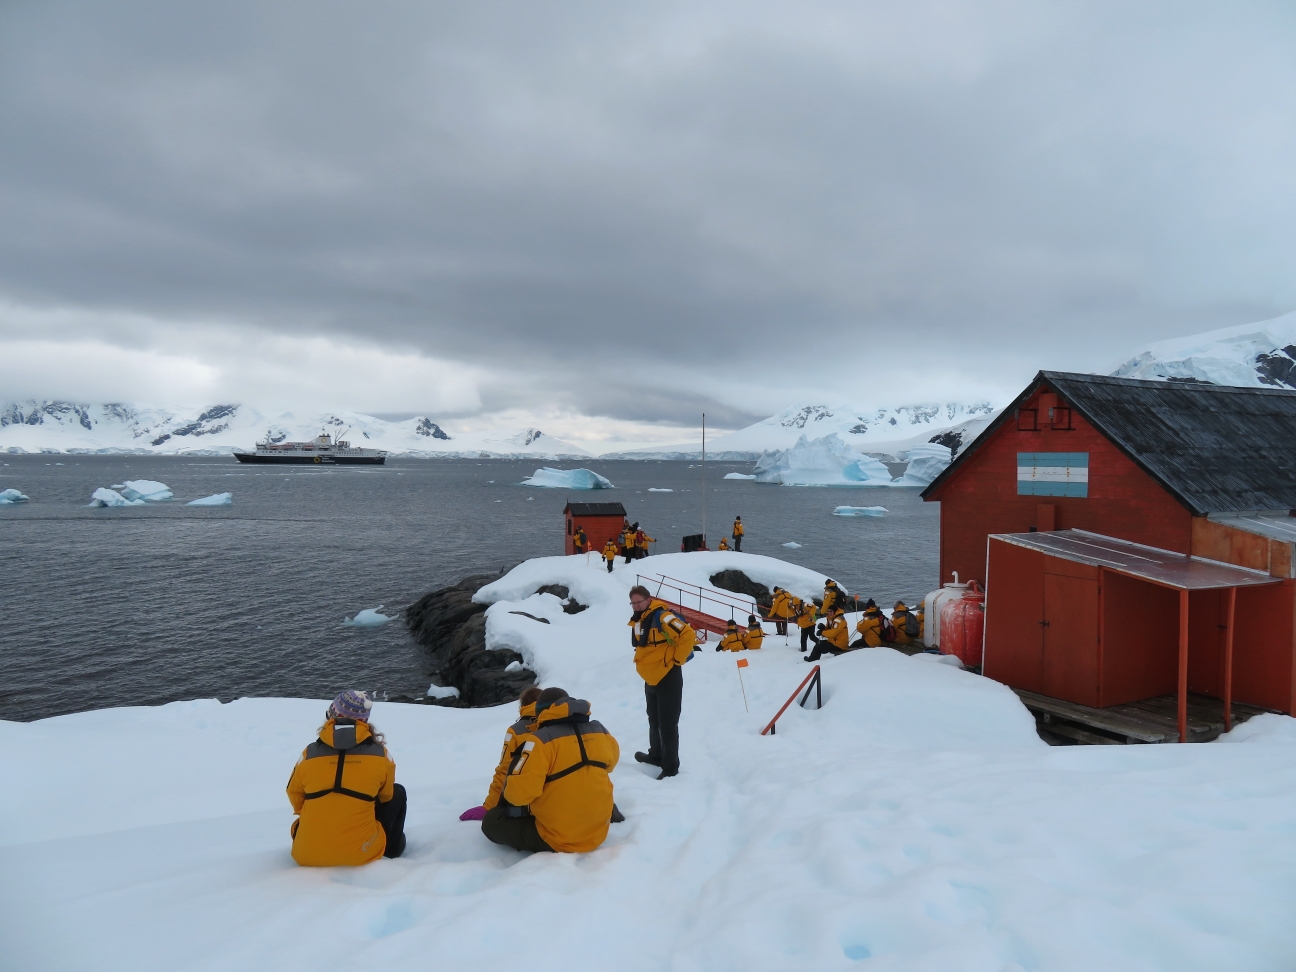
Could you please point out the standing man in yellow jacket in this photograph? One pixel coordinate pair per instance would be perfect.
(805, 619)
(662, 644)
(738, 533)
(579, 540)
(781, 610)
(609, 553)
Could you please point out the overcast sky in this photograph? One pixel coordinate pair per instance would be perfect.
(605, 218)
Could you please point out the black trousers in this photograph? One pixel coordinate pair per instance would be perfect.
(518, 832)
(391, 815)
(610, 563)
(807, 634)
(629, 554)
(665, 699)
(780, 626)
(825, 648)
(738, 543)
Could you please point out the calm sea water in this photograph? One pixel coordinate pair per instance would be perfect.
(144, 605)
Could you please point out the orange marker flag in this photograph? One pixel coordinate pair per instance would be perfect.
(742, 663)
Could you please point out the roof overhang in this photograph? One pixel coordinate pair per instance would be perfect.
(1152, 564)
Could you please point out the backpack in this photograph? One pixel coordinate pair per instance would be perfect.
(911, 624)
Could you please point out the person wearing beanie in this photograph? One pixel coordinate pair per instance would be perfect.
(580, 542)
(350, 809)
(833, 597)
(524, 724)
(805, 619)
(871, 626)
(834, 636)
(731, 640)
(738, 533)
(781, 610)
(610, 553)
(662, 644)
(753, 637)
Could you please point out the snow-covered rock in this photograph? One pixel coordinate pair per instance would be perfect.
(216, 499)
(827, 461)
(442, 692)
(860, 511)
(148, 490)
(1250, 355)
(11, 496)
(916, 821)
(550, 478)
(110, 497)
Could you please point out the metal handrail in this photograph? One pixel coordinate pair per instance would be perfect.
(818, 690)
(660, 580)
(742, 599)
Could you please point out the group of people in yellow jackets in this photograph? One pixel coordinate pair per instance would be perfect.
(831, 636)
(749, 638)
(632, 543)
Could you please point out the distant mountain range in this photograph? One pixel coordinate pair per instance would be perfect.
(68, 427)
(1250, 355)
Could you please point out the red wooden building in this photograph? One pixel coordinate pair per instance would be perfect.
(1134, 539)
(602, 522)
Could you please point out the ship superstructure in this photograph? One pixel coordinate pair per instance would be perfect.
(322, 450)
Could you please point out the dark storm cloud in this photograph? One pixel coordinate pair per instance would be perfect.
(570, 190)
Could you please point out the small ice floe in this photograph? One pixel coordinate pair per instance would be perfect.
(110, 497)
(653, 489)
(551, 478)
(442, 692)
(149, 490)
(368, 618)
(9, 496)
(860, 511)
(216, 499)
(738, 476)
(792, 545)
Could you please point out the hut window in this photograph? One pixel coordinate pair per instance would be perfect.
(1060, 418)
(1026, 420)
(569, 533)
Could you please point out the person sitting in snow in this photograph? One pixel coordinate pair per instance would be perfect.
(872, 626)
(524, 724)
(833, 636)
(754, 635)
(805, 619)
(610, 553)
(350, 809)
(579, 540)
(905, 623)
(731, 640)
(557, 793)
(723, 544)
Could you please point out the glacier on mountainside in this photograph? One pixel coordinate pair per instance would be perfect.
(827, 461)
(216, 499)
(149, 490)
(550, 478)
(110, 497)
(10, 496)
(1256, 355)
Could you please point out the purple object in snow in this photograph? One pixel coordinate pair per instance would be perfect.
(476, 813)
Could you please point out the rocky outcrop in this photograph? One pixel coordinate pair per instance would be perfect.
(451, 628)
(740, 583)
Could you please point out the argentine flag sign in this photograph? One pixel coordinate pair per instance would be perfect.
(1052, 474)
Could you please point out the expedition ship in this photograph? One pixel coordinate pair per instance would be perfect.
(322, 450)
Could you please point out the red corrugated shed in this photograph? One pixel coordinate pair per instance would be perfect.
(601, 522)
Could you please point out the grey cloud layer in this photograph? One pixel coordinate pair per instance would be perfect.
(732, 190)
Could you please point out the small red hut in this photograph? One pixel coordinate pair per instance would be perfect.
(1134, 539)
(602, 521)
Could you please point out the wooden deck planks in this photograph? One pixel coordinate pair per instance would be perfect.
(1147, 721)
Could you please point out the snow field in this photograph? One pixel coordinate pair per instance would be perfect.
(916, 822)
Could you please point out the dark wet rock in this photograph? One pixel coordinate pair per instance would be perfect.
(531, 616)
(559, 591)
(740, 583)
(451, 628)
(573, 606)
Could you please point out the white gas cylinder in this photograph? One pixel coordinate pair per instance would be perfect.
(931, 609)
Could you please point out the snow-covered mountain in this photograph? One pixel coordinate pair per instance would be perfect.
(76, 428)
(880, 432)
(1254, 355)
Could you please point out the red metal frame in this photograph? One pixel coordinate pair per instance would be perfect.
(814, 673)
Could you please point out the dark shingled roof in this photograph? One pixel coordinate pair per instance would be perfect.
(595, 509)
(1215, 448)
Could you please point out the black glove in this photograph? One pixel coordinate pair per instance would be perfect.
(819, 630)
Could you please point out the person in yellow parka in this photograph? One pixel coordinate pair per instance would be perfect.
(662, 644)
(833, 597)
(557, 791)
(610, 553)
(754, 635)
(628, 541)
(738, 532)
(781, 610)
(524, 724)
(872, 626)
(642, 540)
(805, 619)
(724, 544)
(732, 639)
(350, 809)
(834, 637)
(907, 627)
(579, 540)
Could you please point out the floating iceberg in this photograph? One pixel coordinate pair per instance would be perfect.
(551, 478)
(792, 545)
(738, 476)
(10, 496)
(653, 489)
(368, 618)
(926, 462)
(860, 511)
(442, 692)
(110, 497)
(827, 461)
(216, 499)
(149, 490)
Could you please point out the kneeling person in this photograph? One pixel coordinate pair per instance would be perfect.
(754, 636)
(557, 792)
(732, 640)
(833, 636)
(350, 808)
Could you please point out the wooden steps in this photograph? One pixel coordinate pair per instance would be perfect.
(1148, 721)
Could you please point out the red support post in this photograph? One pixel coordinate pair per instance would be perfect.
(1228, 661)
(1183, 666)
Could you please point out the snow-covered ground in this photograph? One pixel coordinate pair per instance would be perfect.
(916, 822)
(221, 429)
(1251, 355)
